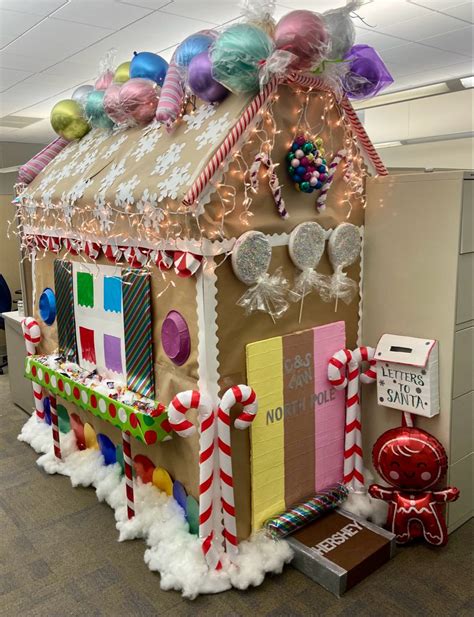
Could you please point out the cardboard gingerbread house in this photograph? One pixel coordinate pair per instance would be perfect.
(133, 235)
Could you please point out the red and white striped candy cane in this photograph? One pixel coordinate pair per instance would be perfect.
(344, 370)
(177, 409)
(246, 396)
(32, 336)
(263, 158)
(128, 469)
(55, 426)
(92, 249)
(162, 259)
(321, 201)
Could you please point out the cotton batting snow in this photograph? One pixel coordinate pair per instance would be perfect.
(365, 506)
(159, 520)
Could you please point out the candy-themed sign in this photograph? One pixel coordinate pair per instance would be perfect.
(297, 438)
(407, 374)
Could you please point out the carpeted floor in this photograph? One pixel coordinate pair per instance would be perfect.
(59, 557)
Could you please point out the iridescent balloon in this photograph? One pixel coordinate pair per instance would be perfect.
(304, 34)
(81, 93)
(122, 73)
(201, 81)
(95, 111)
(68, 121)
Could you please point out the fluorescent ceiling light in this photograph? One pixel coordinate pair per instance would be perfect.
(468, 82)
(388, 144)
(9, 170)
(404, 95)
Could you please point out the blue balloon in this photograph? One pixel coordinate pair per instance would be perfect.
(190, 47)
(179, 493)
(149, 66)
(47, 306)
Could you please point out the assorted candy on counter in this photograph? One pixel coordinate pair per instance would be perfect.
(306, 164)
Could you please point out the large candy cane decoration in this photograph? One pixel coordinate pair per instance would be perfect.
(247, 397)
(128, 471)
(263, 158)
(321, 201)
(344, 370)
(32, 336)
(179, 406)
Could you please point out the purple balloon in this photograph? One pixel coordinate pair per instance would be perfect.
(201, 81)
(367, 74)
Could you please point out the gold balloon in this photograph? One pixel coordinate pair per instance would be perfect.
(122, 73)
(68, 121)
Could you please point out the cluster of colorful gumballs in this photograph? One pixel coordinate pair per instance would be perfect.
(306, 165)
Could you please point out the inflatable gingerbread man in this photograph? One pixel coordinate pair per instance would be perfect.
(412, 461)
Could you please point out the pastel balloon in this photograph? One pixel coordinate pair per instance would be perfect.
(122, 73)
(95, 111)
(138, 99)
(104, 80)
(201, 81)
(162, 480)
(112, 105)
(67, 120)
(81, 93)
(149, 66)
(237, 56)
(191, 47)
(304, 34)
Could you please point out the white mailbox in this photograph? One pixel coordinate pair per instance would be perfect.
(407, 374)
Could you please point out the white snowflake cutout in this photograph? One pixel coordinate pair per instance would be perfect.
(66, 171)
(115, 171)
(213, 132)
(78, 189)
(65, 152)
(147, 205)
(167, 159)
(146, 144)
(112, 149)
(47, 200)
(102, 212)
(86, 162)
(173, 182)
(146, 198)
(124, 194)
(196, 119)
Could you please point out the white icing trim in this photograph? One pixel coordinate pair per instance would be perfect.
(361, 286)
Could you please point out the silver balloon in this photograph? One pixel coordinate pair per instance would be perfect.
(341, 30)
(81, 93)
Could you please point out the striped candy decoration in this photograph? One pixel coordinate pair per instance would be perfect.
(136, 257)
(179, 406)
(162, 259)
(128, 469)
(246, 396)
(55, 426)
(138, 332)
(112, 252)
(63, 288)
(32, 336)
(321, 201)
(229, 143)
(171, 96)
(263, 158)
(53, 244)
(28, 172)
(92, 249)
(186, 264)
(73, 246)
(344, 370)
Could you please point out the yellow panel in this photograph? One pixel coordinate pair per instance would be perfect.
(265, 376)
(162, 480)
(90, 437)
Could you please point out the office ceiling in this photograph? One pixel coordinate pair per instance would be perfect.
(49, 47)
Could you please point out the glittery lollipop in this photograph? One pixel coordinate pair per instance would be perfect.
(250, 261)
(344, 248)
(306, 247)
(306, 164)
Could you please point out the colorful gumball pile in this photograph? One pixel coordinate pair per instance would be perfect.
(306, 164)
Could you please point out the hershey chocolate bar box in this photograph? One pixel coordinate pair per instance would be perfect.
(340, 549)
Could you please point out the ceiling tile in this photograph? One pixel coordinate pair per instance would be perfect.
(40, 8)
(377, 40)
(54, 38)
(419, 57)
(462, 11)
(147, 4)
(14, 24)
(463, 69)
(24, 63)
(104, 13)
(380, 13)
(437, 5)
(422, 27)
(460, 41)
(9, 77)
(213, 11)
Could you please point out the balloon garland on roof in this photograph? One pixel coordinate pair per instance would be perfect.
(243, 58)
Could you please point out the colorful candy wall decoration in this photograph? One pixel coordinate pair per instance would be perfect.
(306, 164)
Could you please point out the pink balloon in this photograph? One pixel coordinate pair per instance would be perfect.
(304, 34)
(139, 99)
(104, 81)
(112, 105)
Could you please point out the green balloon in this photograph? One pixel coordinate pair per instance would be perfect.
(67, 120)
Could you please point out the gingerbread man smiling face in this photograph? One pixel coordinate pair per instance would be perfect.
(408, 460)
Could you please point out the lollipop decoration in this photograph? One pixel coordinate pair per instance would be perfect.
(340, 29)
(344, 248)
(306, 164)
(250, 261)
(306, 247)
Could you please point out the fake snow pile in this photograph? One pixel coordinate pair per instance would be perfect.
(172, 550)
(365, 506)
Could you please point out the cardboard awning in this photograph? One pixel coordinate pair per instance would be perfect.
(404, 350)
